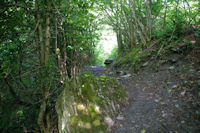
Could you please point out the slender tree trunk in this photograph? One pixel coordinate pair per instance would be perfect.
(40, 33)
(164, 18)
(44, 59)
(47, 32)
(132, 42)
(58, 52)
(119, 41)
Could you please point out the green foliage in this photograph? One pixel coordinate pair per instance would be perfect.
(17, 118)
(114, 53)
(23, 77)
(99, 55)
(178, 19)
(128, 58)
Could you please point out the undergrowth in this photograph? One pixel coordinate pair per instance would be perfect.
(135, 59)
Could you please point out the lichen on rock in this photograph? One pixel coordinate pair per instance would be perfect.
(86, 101)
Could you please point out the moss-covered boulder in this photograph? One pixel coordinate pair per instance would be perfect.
(86, 101)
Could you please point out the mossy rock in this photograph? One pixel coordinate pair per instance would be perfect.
(86, 101)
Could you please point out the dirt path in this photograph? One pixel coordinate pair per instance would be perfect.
(154, 108)
(160, 102)
(164, 95)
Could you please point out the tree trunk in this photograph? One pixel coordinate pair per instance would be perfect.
(119, 41)
(44, 59)
(40, 33)
(47, 32)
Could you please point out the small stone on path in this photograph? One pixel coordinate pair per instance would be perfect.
(120, 117)
(145, 64)
(156, 100)
(125, 76)
(109, 121)
(171, 67)
(174, 86)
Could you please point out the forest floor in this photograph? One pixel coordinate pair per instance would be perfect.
(164, 96)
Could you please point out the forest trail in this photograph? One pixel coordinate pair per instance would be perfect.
(160, 101)
(153, 107)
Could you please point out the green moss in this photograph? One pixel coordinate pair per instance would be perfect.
(94, 98)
